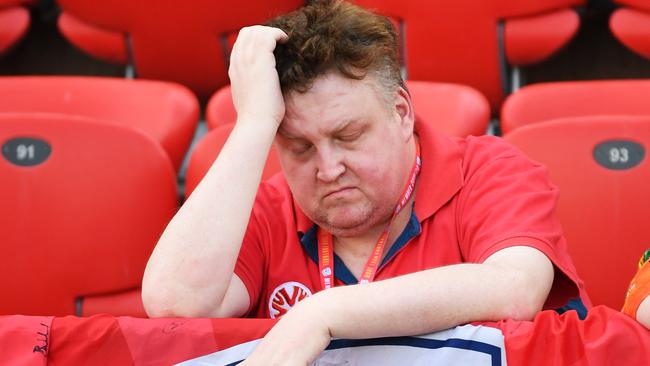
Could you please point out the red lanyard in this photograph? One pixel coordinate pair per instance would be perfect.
(325, 239)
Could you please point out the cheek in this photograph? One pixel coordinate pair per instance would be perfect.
(300, 177)
(374, 175)
(380, 175)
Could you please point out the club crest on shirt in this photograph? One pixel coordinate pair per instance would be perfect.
(286, 296)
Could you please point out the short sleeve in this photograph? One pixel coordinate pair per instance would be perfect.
(251, 260)
(507, 201)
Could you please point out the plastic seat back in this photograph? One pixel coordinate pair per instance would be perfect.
(601, 167)
(467, 41)
(83, 204)
(631, 25)
(183, 41)
(546, 101)
(165, 111)
(14, 22)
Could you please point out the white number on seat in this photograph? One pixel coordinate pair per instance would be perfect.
(619, 155)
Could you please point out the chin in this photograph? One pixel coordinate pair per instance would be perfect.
(348, 223)
(348, 230)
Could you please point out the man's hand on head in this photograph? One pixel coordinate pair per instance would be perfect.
(190, 272)
(254, 80)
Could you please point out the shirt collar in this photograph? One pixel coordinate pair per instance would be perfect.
(440, 178)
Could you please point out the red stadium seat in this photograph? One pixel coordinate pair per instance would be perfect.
(165, 111)
(545, 101)
(183, 41)
(631, 25)
(104, 44)
(601, 167)
(14, 22)
(206, 151)
(83, 204)
(220, 109)
(535, 38)
(455, 110)
(471, 42)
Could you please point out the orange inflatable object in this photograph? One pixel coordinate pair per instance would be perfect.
(639, 287)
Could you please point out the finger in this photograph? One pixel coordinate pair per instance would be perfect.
(279, 35)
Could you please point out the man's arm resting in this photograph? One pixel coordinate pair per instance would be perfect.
(511, 284)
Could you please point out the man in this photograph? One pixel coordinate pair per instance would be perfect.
(438, 231)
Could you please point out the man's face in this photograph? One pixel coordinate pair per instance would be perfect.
(346, 152)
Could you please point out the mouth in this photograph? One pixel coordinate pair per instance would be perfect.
(339, 193)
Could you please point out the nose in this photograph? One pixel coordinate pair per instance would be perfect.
(329, 164)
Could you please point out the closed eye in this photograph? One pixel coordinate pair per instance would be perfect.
(299, 147)
(349, 136)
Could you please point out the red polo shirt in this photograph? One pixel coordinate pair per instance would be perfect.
(475, 196)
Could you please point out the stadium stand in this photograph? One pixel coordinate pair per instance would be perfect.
(88, 165)
(83, 204)
(443, 40)
(546, 101)
(183, 41)
(455, 110)
(166, 111)
(631, 25)
(14, 22)
(437, 46)
(601, 168)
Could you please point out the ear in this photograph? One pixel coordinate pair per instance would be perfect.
(404, 111)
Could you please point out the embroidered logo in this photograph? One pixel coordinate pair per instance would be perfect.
(286, 296)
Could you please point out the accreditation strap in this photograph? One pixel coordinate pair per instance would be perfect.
(639, 287)
(326, 240)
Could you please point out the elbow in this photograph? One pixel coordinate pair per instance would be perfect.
(156, 303)
(160, 302)
(529, 294)
(523, 309)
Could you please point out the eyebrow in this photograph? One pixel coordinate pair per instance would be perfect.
(340, 128)
(283, 132)
(344, 125)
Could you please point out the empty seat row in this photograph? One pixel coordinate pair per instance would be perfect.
(189, 42)
(167, 112)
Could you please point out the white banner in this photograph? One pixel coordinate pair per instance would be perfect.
(463, 345)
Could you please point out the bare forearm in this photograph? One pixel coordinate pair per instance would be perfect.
(432, 300)
(192, 264)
